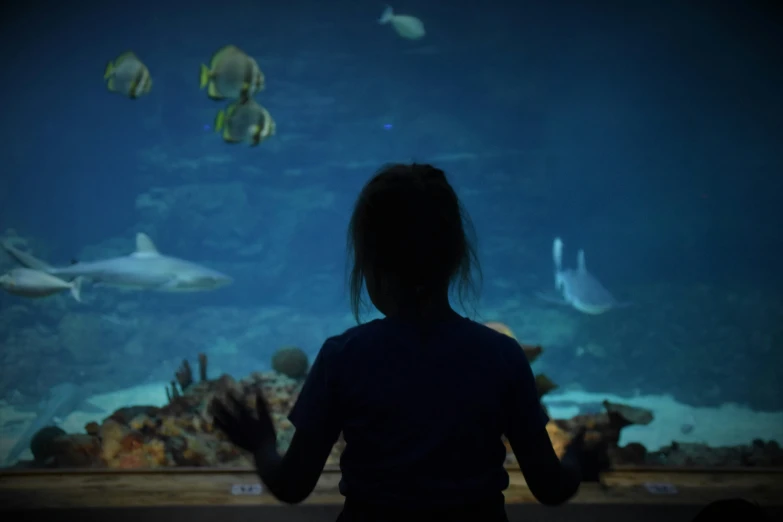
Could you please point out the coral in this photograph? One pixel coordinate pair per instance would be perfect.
(531, 352)
(181, 433)
(76, 451)
(544, 385)
(623, 415)
(291, 361)
(757, 454)
(502, 328)
(202, 367)
(178, 434)
(184, 377)
(41, 443)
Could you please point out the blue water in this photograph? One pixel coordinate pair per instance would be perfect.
(649, 135)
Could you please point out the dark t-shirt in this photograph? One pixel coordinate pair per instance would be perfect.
(421, 412)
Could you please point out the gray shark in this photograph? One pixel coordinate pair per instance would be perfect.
(144, 269)
(63, 400)
(578, 287)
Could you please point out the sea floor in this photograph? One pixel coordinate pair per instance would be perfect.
(728, 425)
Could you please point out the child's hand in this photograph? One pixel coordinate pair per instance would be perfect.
(577, 443)
(239, 424)
(591, 459)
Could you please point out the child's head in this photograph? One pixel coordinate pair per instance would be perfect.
(410, 240)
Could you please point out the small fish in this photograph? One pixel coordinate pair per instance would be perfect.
(27, 282)
(245, 121)
(406, 26)
(128, 76)
(231, 74)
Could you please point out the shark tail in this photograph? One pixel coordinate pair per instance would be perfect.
(25, 259)
(387, 16)
(557, 258)
(76, 289)
(19, 447)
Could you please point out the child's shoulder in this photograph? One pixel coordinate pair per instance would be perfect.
(461, 331)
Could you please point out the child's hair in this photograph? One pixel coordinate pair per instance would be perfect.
(410, 230)
(731, 509)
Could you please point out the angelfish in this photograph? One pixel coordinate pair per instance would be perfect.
(27, 282)
(245, 121)
(231, 73)
(127, 75)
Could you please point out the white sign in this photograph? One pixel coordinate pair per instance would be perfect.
(660, 488)
(247, 489)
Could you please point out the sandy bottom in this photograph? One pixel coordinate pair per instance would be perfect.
(727, 425)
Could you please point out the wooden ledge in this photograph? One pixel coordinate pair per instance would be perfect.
(31, 489)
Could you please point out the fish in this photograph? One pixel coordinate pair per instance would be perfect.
(406, 26)
(577, 287)
(63, 400)
(245, 121)
(144, 269)
(231, 73)
(127, 75)
(27, 282)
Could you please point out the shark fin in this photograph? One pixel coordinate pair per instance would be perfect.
(145, 246)
(557, 253)
(557, 259)
(25, 259)
(580, 261)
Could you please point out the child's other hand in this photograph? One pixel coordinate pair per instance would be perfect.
(236, 420)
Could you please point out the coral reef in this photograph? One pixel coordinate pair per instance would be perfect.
(41, 443)
(178, 434)
(184, 377)
(291, 361)
(181, 433)
(757, 454)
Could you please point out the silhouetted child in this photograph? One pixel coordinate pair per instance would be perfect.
(421, 396)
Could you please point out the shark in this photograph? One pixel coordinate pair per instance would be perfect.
(577, 287)
(144, 269)
(63, 400)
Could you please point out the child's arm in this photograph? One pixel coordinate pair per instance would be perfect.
(292, 477)
(551, 481)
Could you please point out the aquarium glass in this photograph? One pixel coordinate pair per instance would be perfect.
(189, 174)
